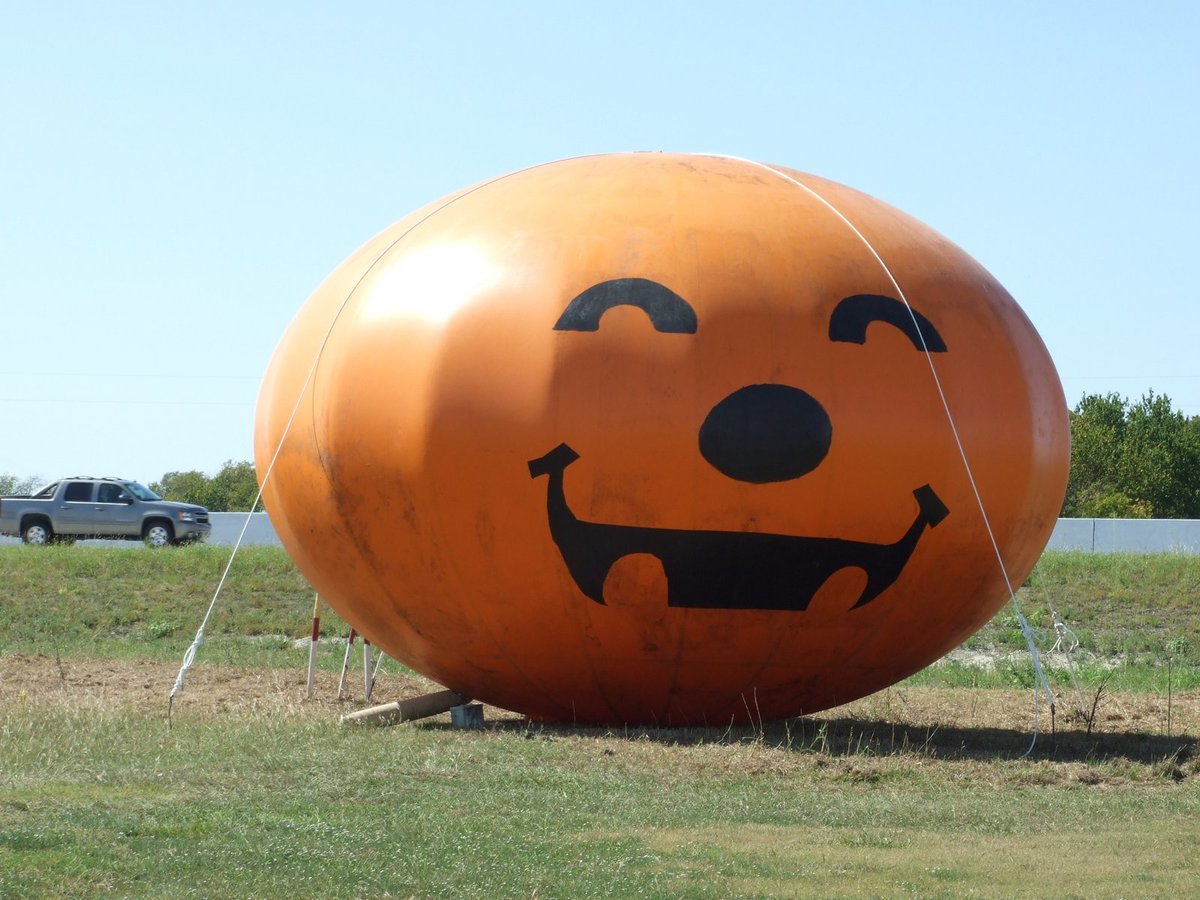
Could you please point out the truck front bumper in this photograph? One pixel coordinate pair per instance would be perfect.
(192, 531)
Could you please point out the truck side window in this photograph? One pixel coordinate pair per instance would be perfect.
(48, 491)
(109, 493)
(78, 491)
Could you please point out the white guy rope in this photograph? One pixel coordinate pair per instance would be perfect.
(1064, 634)
(1024, 624)
(346, 662)
(190, 655)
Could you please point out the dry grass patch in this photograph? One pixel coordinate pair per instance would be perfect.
(258, 792)
(967, 736)
(884, 861)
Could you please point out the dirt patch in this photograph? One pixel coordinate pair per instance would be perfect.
(1014, 710)
(936, 722)
(209, 690)
(1056, 660)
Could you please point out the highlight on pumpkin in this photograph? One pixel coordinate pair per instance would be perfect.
(662, 439)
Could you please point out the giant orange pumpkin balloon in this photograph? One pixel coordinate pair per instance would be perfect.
(662, 438)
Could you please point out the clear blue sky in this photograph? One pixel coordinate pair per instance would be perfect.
(175, 179)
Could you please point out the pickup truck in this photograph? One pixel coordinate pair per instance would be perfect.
(86, 507)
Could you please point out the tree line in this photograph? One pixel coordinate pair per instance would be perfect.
(1129, 459)
(1133, 459)
(232, 489)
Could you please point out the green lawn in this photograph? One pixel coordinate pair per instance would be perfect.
(255, 792)
(110, 802)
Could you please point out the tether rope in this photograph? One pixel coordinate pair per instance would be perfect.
(189, 655)
(1027, 632)
(1024, 624)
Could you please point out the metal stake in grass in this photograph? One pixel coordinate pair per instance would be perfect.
(346, 662)
(380, 657)
(368, 681)
(312, 646)
(1169, 661)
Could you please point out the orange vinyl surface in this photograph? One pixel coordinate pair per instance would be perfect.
(634, 438)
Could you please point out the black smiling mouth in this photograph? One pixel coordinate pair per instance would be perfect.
(725, 569)
(759, 434)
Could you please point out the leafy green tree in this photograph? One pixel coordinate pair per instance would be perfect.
(1133, 459)
(185, 487)
(232, 489)
(235, 486)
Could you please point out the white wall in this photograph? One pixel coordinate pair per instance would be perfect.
(1092, 535)
(1127, 535)
(227, 526)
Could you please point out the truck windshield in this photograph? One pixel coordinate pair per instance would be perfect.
(141, 492)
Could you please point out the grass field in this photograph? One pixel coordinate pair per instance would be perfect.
(255, 791)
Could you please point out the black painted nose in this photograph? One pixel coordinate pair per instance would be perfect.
(766, 432)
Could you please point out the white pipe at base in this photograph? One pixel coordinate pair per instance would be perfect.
(406, 710)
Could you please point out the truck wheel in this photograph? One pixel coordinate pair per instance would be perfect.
(158, 534)
(37, 533)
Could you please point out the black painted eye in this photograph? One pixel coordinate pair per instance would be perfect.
(766, 432)
(852, 316)
(668, 312)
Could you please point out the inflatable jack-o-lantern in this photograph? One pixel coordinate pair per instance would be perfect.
(658, 438)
